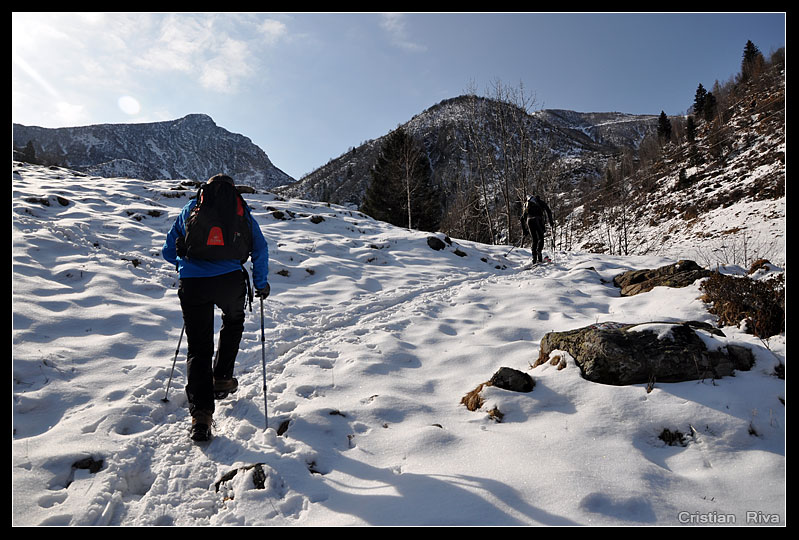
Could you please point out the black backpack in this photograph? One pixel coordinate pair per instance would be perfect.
(218, 226)
(532, 209)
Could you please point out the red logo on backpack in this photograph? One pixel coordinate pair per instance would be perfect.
(215, 237)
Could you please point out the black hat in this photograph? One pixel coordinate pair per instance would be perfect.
(221, 178)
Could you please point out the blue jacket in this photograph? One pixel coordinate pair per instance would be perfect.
(188, 268)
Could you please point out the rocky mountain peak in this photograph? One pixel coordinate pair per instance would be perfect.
(193, 147)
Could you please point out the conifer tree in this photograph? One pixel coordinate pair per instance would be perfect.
(401, 191)
(29, 153)
(699, 99)
(752, 61)
(664, 127)
(690, 129)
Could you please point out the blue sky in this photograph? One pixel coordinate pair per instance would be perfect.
(306, 87)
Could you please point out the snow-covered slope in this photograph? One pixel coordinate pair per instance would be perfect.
(372, 338)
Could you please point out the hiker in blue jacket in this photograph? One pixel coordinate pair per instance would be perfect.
(204, 284)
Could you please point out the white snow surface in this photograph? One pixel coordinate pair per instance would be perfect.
(371, 340)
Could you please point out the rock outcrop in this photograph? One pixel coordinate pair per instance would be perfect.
(623, 354)
(679, 274)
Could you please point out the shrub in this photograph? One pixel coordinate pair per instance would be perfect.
(672, 438)
(761, 304)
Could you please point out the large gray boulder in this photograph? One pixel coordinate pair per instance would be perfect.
(622, 354)
(679, 274)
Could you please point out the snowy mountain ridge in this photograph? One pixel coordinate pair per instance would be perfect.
(192, 147)
(581, 142)
(620, 130)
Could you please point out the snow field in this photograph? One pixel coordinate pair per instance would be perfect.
(372, 338)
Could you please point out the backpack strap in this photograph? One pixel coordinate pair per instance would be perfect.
(248, 281)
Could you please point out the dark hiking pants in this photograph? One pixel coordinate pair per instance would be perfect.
(536, 227)
(198, 296)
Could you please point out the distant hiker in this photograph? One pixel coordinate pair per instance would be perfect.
(209, 242)
(533, 224)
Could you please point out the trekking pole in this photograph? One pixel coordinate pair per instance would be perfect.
(166, 400)
(263, 363)
(514, 246)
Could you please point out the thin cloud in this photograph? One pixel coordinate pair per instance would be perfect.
(272, 30)
(394, 25)
(227, 67)
(199, 47)
(180, 46)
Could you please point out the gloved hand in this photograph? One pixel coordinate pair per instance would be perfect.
(262, 293)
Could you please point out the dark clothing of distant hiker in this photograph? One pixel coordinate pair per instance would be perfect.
(533, 223)
(203, 285)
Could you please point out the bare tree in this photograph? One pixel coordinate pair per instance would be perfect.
(507, 157)
(475, 150)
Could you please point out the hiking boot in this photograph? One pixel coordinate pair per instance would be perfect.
(201, 425)
(223, 387)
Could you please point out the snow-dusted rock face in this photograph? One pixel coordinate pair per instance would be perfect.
(612, 129)
(192, 147)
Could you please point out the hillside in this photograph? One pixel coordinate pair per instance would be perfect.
(372, 339)
(614, 186)
(580, 142)
(719, 199)
(193, 147)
